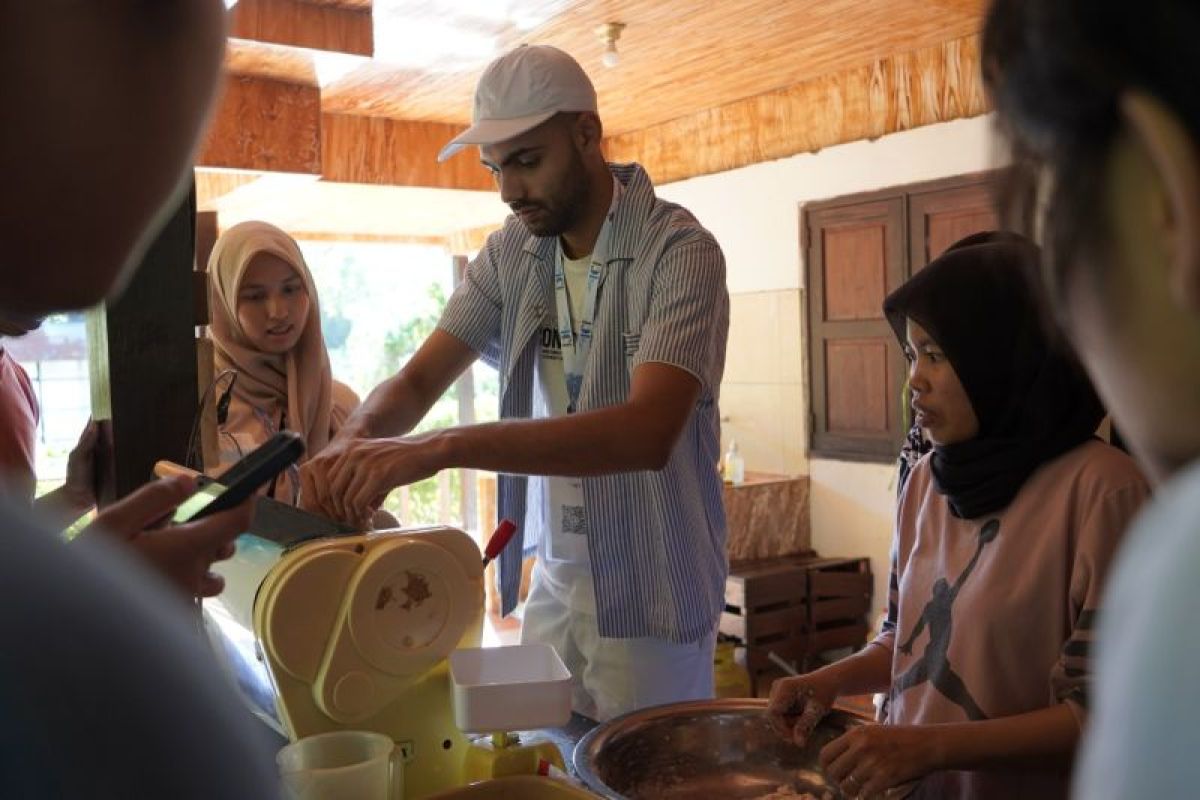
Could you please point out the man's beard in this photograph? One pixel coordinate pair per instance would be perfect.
(562, 210)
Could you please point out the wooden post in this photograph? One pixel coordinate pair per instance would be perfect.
(466, 416)
(206, 239)
(443, 496)
(486, 522)
(405, 506)
(142, 359)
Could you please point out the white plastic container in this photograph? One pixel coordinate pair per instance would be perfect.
(734, 466)
(513, 688)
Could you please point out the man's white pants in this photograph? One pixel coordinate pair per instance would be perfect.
(611, 677)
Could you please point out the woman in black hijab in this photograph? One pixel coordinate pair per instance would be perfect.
(1031, 399)
(1003, 535)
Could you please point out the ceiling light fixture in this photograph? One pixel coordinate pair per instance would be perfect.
(609, 33)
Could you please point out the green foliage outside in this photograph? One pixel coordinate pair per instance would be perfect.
(379, 302)
(399, 345)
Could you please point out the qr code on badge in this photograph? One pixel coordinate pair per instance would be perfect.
(573, 521)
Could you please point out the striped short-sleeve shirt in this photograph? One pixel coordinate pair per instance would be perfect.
(656, 539)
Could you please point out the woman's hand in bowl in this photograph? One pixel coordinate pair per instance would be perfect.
(798, 704)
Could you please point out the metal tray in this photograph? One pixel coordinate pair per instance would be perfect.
(706, 749)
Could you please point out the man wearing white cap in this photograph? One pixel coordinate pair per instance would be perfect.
(605, 311)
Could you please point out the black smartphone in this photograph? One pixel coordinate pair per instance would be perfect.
(244, 478)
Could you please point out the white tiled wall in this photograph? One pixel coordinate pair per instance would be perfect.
(762, 397)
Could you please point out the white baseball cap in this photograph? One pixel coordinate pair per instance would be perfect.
(520, 90)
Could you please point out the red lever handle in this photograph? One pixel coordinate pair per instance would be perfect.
(499, 539)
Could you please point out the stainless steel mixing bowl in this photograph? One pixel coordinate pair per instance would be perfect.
(722, 749)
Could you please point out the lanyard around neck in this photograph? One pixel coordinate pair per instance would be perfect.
(577, 348)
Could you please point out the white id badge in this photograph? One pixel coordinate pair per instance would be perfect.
(568, 524)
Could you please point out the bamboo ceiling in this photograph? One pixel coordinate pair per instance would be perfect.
(354, 91)
(678, 57)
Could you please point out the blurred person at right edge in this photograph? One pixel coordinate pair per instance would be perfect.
(1098, 100)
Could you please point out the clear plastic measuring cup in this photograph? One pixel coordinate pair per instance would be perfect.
(342, 765)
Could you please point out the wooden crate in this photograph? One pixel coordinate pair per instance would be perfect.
(838, 599)
(765, 610)
(795, 607)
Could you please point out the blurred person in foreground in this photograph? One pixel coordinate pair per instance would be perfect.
(1099, 102)
(106, 687)
(20, 414)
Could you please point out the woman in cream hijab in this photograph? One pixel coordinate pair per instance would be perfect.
(266, 327)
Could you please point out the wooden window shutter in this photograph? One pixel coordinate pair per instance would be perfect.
(857, 250)
(942, 212)
(855, 256)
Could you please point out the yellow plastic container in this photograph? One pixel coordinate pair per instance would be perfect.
(730, 679)
(504, 754)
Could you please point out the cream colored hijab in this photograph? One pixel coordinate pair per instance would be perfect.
(301, 379)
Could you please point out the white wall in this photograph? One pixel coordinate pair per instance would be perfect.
(754, 211)
(755, 214)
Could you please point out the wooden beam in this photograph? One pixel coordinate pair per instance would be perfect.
(387, 238)
(143, 363)
(290, 64)
(212, 185)
(895, 93)
(305, 24)
(357, 149)
(265, 125)
(207, 233)
(272, 61)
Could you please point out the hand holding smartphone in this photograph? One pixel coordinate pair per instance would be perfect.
(244, 478)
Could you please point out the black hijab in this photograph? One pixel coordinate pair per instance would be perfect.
(979, 303)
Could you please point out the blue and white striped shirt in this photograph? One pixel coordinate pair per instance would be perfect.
(656, 539)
